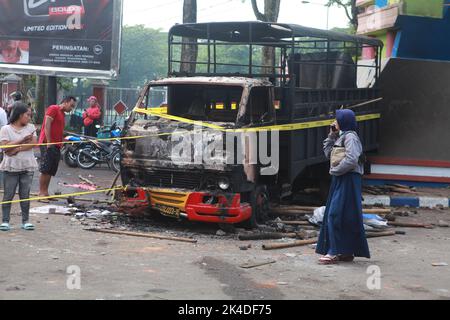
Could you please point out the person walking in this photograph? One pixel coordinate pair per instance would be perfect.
(52, 133)
(342, 236)
(91, 117)
(19, 163)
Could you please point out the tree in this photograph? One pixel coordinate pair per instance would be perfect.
(144, 56)
(271, 13)
(351, 10)
(189, 52)
(271, 10)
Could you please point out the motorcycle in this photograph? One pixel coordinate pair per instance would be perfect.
(70, 151)
(97, 152)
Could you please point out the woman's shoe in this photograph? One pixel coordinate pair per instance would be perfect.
(28, 227)
(326, 260)
(5, 227)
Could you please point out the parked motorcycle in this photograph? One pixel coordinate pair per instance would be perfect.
(97, 152)
(70, 151)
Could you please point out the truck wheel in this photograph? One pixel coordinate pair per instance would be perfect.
(260, 202)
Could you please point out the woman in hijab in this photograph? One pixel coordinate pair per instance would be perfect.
(342, 236)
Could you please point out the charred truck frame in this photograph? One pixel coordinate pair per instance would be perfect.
(315, 72)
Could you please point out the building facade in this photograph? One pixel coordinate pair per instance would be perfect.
(414, 138)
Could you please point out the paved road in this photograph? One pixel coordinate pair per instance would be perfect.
(34, 264)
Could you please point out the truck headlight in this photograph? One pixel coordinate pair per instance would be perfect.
(224, 183)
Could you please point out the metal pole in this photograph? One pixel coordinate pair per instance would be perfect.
(51, 91)
(328, 17)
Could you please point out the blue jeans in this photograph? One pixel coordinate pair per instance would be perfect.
(10, 181)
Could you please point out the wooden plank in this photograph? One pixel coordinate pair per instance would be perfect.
(143, 235)
(410, 225)
(275, 246)
(266, 236)
(256, 264)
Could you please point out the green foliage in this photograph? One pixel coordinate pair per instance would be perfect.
(144, 56)
(351, 10)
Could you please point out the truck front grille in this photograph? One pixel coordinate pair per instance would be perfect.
(170, 179)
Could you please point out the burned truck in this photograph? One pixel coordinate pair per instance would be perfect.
(232, 134)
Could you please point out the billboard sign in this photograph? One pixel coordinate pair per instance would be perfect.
(78, 38)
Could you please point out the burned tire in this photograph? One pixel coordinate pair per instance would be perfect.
(260, 202)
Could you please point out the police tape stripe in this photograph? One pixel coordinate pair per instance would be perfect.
(281, 127)
(79, 142)
(77, 194)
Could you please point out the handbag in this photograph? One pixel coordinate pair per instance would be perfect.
(337, 155)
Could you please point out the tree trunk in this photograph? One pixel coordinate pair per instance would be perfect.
(189, 52)
(40, 99)
(271, 12)
(354, 15)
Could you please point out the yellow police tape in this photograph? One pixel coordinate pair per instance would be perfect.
(82, 141)
(281, 127)
(77, 194)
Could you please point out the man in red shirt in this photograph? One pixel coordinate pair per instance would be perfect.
(52, 132)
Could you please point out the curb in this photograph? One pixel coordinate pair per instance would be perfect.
(412, 202)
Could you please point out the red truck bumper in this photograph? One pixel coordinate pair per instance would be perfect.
(196, 206)
(226, 209)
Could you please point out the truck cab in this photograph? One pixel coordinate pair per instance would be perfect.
(201, 113)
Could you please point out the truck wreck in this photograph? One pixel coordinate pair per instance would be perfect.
(231, 137)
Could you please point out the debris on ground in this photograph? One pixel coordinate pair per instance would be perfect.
(439, 264)
(53, 209)
(389, 188)
(87, 181)
(143, 235)
(221, 233)
(410, 225)
(443, 224)
(266, 236)
(274, 246)
(251, 265)
(82, 186)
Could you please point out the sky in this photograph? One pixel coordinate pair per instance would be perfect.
(162, 14)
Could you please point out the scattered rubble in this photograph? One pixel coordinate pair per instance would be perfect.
(221, 233)
(389, 188)
(251, 265)
(443, 224)
(439, 264)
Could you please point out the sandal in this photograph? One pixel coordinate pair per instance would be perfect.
(326, 260)
(5, 227)
(28, 226)
(346, 258)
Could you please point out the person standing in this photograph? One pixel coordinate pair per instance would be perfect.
(19, 163)
(342, 236)
(3, 122)
(16, 99)
(52, 133)
(92, 117)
